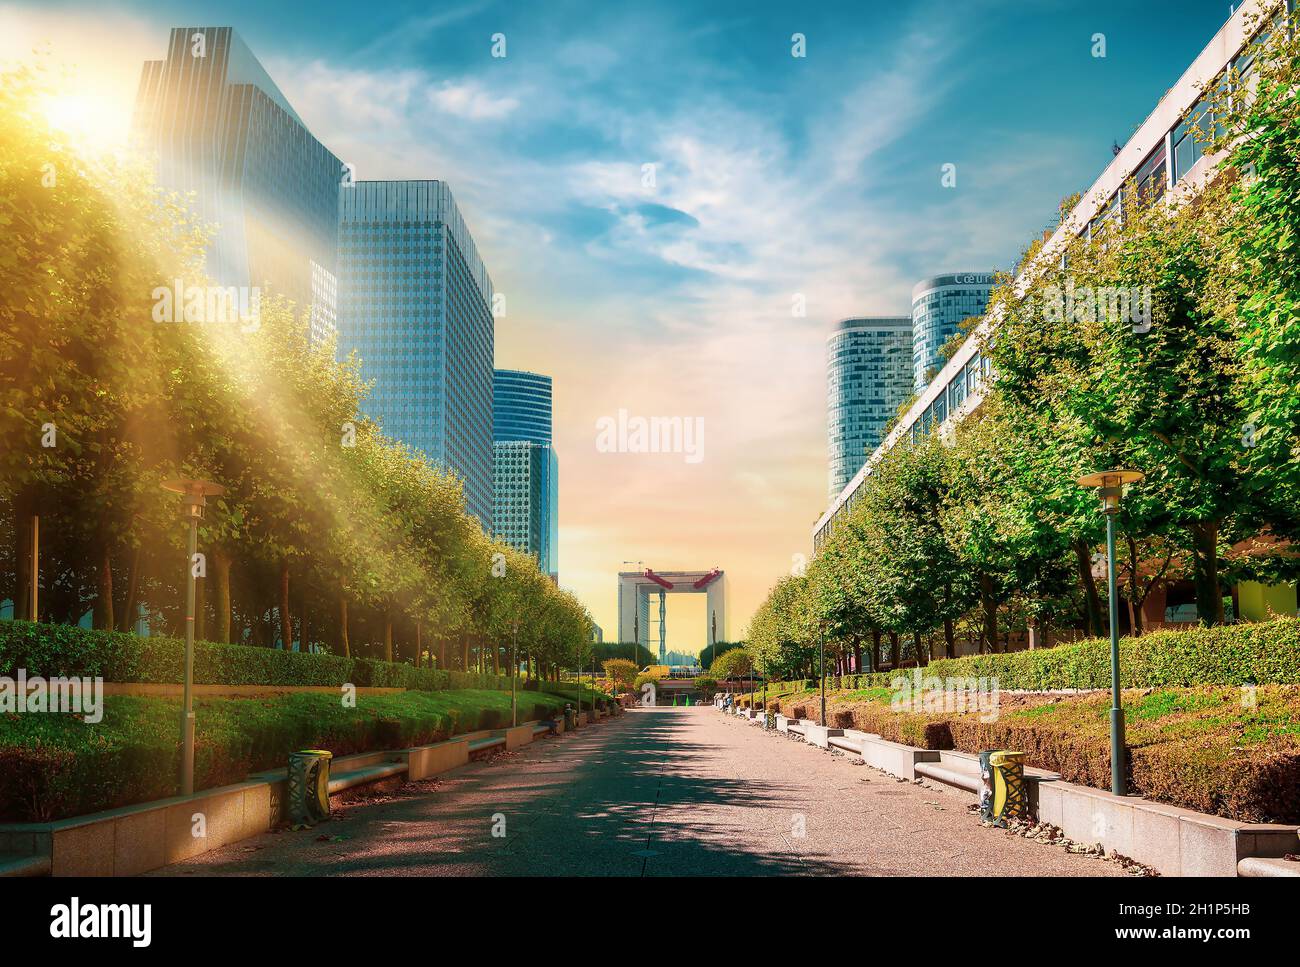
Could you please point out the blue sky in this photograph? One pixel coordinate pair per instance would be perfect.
(774, 176)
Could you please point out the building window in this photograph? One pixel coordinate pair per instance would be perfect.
(1152, 176)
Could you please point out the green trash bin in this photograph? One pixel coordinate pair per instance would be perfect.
(309, 786)
(570, 717)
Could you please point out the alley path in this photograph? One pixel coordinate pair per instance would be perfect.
(667, 791)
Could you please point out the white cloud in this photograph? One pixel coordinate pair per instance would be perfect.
(469, 100)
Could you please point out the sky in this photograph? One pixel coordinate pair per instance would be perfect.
(657, 187)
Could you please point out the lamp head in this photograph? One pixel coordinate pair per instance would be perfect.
(194, 494)
(1109, 485)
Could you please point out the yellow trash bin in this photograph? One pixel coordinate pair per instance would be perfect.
(1003, 795)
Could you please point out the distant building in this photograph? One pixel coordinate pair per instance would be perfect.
(939, 305)
(415, 304)
(868, 376)
(223, 132)
(526, 469)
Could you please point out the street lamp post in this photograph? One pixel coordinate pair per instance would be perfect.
(514, 671)
(821, 649)
(1110, 487)
(195, 493)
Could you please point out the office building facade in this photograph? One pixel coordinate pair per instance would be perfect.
(415, 304)
(1156, 161)
(519, 474)
(939, 306)
(526, 472)
(868, 376)
(223, 133)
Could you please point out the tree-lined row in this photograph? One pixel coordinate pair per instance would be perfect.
(1165, 339)
(328, 535)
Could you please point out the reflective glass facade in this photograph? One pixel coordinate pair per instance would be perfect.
(523, 513)
(222, 131)
(868, 376)
(939, 305)
(414, 303)
(521, 406)
(527, 499)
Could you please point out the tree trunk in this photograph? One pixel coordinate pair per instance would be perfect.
(24, 508)
(949, 639)
(388, 636)
(221, 561)
(419, 646)
(1205, 572)
(304, 628)
(103, 612)
(921, 659)
(1091, 602)
(127, 618)
(345, 645)
(990, 612)
(857, 655)
(496, 658)
(286, 625)
(464, 652)
(1134, 605)
(442, 653)
(895, 652)
(875, 650)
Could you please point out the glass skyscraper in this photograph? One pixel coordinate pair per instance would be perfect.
(415, 304)
(222, 130)
(526, 469)
(521, 406)
(868, 376)
(939, 305)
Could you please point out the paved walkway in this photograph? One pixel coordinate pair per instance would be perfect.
(668, 791)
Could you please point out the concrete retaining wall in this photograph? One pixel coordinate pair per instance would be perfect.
(1175, 841)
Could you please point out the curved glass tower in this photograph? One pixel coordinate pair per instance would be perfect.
(526, 471)
(868, 376)
(522, 406)
(939, 305)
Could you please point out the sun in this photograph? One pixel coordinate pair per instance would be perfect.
(96, 122)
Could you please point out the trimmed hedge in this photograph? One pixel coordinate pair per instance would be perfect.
(1263, 653)
(51, 650)
(55, 766)
(1197, 748)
